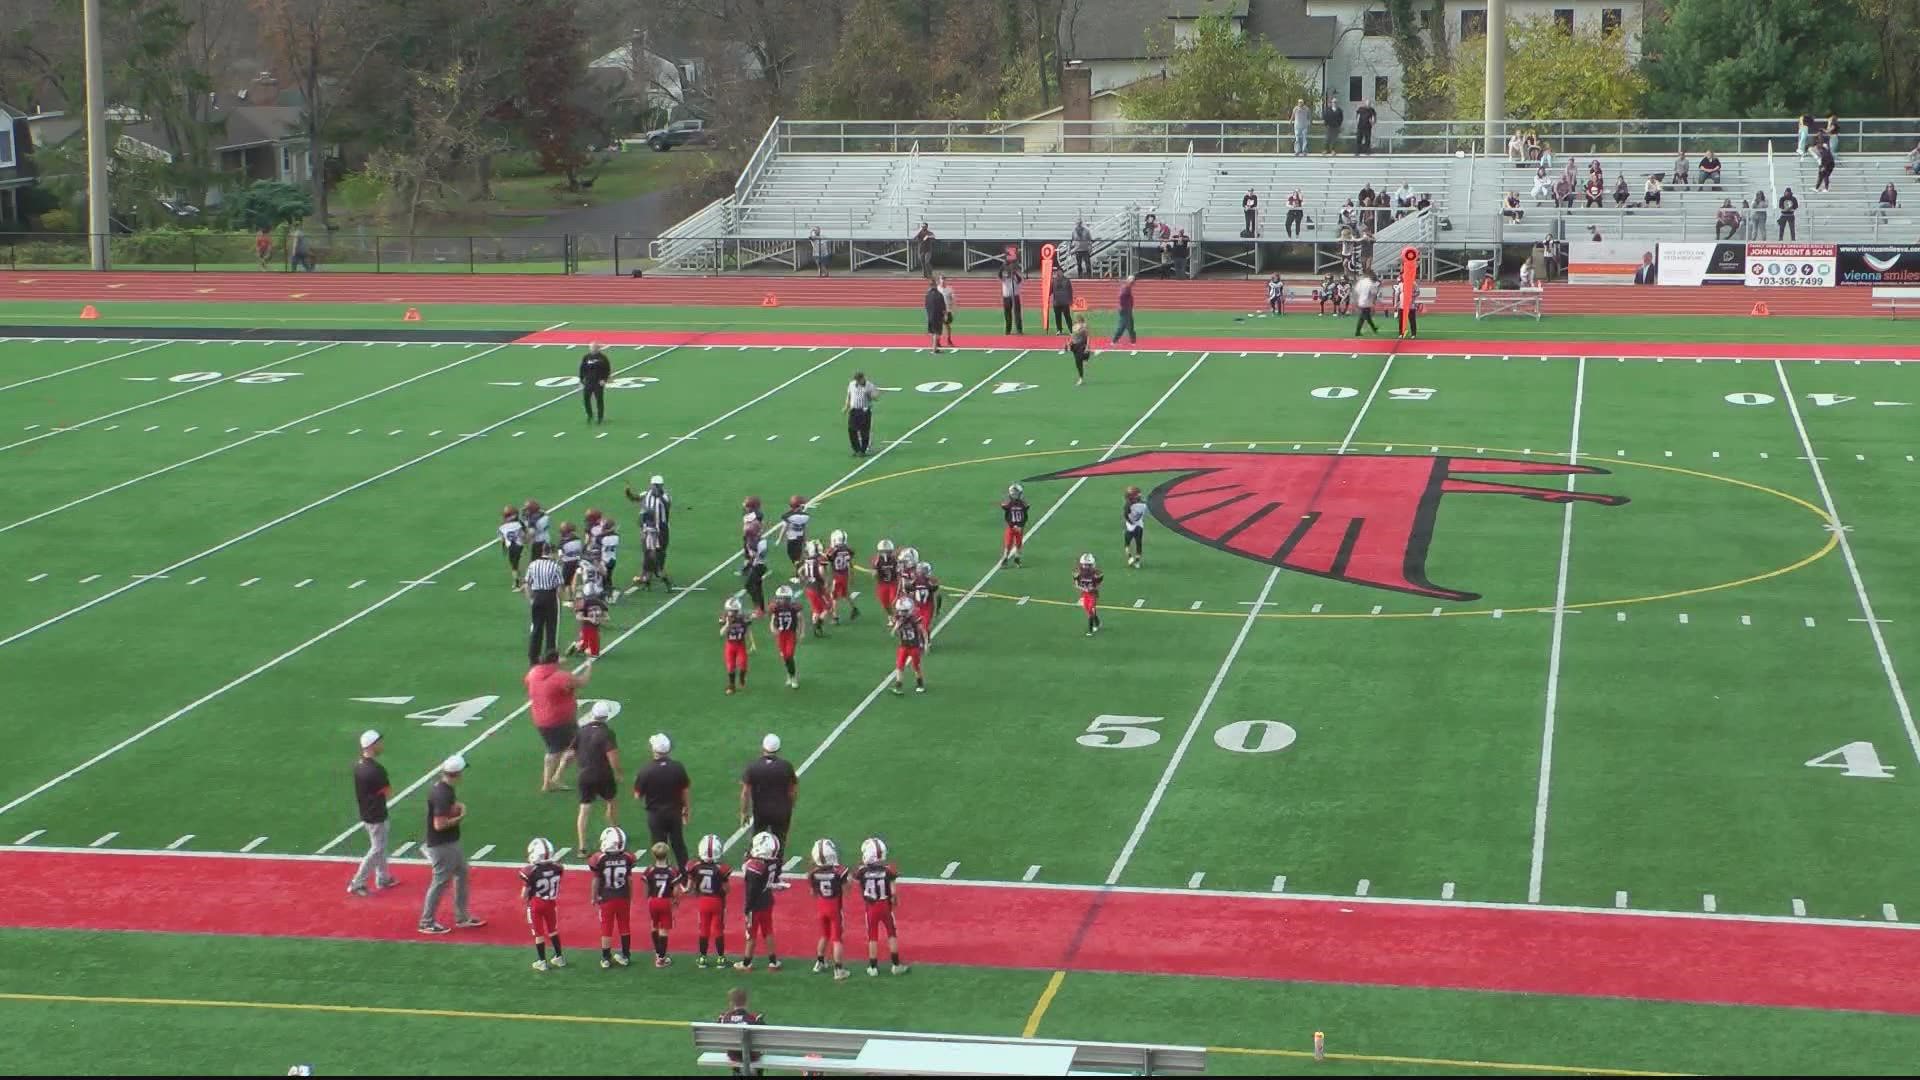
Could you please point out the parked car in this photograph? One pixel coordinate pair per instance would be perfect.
(678, 133)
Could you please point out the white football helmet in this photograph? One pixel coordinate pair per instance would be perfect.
(733, 605)
(873, 849)
(709, 848)
(1086, 559)
(814, 550)
(903, 607)
(825, 853)
(909, 556)
(613, 838)
(1014, 491)
(765, 846)
(539, 850)
(883, 545)
(838, 538)
(784, 592)
(928, 567)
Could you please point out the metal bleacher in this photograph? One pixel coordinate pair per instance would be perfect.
(979, 193)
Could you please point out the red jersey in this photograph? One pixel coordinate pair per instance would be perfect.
(828, 883)
(909, 631)
(876, 882)
(814, 573)
(841, 556)
(612, 875)
(1015, 511)
(784, 617)
(922, 589)
(540, 881)
(886, 568)
(708, 880)
(736, 627)
(1088, 579)
(661, 881)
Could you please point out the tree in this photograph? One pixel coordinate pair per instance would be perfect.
(449, 127)
(319, 43)
(1423, 63)
(876, 72)
(1551, 75)
(267, 204)
(551, 109)
(1772, 58)
(1218, 74)
(1895, 24)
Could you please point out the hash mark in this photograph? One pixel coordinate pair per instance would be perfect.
(248, 582)
(253, 843)
(29, 838)
(1497, 612)
(303, 583)
(355, 431)
(1859, 457)
(38, 577)
(1362, 888)
(1619, 616)
(103, 841)
(729, 438)
(1436, 611)
(151, 427)
(1809, 621)
(984, 442)
(1280, 883)
(770, 438)
(310, 431)
(483, 853)
(396, 431)
(951, 867)
(1315, 610)
(557, 434)
(1022, 602)
(357, 584)
(197, 580)
(1029, 442)
(402, 849)
(1195, 606)
(1073, 442)
(467, 586)
(1620, 899)
(561, 854)
(1140, 603)
(1683, 618)
(1763, 455)
(1032, 872)
(89, 579)
(1194, 881)
(1799, 906)
(180, 843)
(1376, 609)
(816, 438)
(1708, 904)
(1446, 891)
(1746, 620)
(943, 439)
(1887, 913)
(196, 427)
(793, 862)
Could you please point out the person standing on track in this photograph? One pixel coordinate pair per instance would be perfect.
(1125, 326)
(553, 701)
(449, 860)
(370, 789)
(542, 589)
(936, 312)
(595, 371)
(597, 754)
(1062, 300)
(1363, 293)
(1010, 279)
(666, 790)
(768, 789)
(859, 409)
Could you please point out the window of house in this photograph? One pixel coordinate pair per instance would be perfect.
(1473, 23)
(286, 161)
(1426, 18)
(1564, 17)
(1356, 88)
(1376, 23)
(6, 142)
(1610, 19)
(1380, 89)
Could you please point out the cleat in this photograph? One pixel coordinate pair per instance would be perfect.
(662, 961)
(388, 882)
(558, 961)
(356, 890)
(920, 689)
(470, 923)
(819, 966)
(839, 974)
(729, 689)
(606, 964)
(721, 964)
(902, 969)
(773, 965)
(539, 965)
(742, 965)
(793, 683)
(622, 959)
(702, 963)
(897, 690)
(433, 928)
(873, 971)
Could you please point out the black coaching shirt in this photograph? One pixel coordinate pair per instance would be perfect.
(591, 745)
(370, 786)
(770, 781)
(663, 786)
(595, 369)
(440, 801)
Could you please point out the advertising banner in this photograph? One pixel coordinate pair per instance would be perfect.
(1803, 266)
(1701, 263)
(1879, 264)
(1610, 262)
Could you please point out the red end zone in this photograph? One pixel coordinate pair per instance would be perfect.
(1715, 960)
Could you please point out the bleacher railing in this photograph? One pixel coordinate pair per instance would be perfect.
(1727, 136)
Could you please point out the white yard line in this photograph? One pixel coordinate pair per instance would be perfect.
(291, 514)
(1853, 566)
(383, 602)
(699, 583)
(79, 367)
(881, 687)
(1543, 793)
(242, 442)
(23, 848)
(194, 389)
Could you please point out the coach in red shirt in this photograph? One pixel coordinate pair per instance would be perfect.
(552, 702)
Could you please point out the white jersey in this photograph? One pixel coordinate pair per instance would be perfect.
(1274, 288)
(538, 525)
(571, 549)
(796, 522)
(1137, 516)
(592, 580)
(609, 546)
(510, 533)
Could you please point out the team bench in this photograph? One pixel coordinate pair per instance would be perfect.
(1423, 296)
(907, 1053)
(1896, 300)
(1487, 304)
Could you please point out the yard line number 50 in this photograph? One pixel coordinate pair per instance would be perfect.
(1110, 732)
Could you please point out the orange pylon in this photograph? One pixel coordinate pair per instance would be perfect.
(412, 315)
(769, 300)
(1761, 308)
(89, 312)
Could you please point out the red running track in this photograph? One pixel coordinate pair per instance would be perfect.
(1643, 350)
(975, 291)
(1717, 960)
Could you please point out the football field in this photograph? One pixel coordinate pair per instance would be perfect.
(1611, 637)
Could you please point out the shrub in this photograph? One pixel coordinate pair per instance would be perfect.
(182, 247)
(58, 221)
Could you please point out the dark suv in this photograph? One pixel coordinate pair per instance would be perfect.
(678, 133)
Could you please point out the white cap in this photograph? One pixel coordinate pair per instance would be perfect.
(368, 738)
(601, 710)
(454, 764)
(660, 743)
(657, 479)
(770, 744)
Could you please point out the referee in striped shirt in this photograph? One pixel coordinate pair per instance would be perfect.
(542, 589)
(656, 503)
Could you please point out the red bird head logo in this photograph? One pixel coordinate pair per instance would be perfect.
(1361, 518)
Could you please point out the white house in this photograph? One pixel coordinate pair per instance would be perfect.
(659, 81)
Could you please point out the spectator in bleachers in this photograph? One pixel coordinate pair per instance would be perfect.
(1302, 121)
(1889, 199)
(1510, 207)
(1652, 193)
(1542, 183)
(1250, 209)
(1830, 128)
(1363, 118)
(1727, 218)
(1517, 147)
(1788, 204)
(1181, 250)
(1403, 199)
(1596, 192)
(1296, 212)
(1349, 217)
(821, 250)
(1366, 245)
(1332, 115)
(1534, 149)
(1680, 169)
(1552, 252)
(1563, 192)
(1349, 252)
(923, 240)
(1710, 170)
(1596, 170)
(1546, 154)
(1823, 150)
(1806, 132)
(1424, 202)
(1757, 221)
(1595, 234)
(1366, 195)
(1620, 192)
(1913, 160)
(1082, 248)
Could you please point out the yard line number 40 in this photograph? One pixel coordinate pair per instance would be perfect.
(1110, 732)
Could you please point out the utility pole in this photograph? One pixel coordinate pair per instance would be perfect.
(1496, 89)
(99, 208)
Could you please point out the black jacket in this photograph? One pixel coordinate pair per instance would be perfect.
(595, 369)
